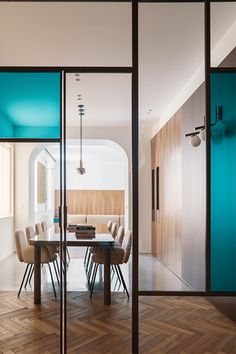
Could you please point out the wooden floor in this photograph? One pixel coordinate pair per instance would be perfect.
(167, 325)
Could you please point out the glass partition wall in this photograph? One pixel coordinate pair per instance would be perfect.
(171, 150)
(190, 171)
(165, 179)
(98, 184)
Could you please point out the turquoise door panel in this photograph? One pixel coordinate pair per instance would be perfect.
(223, 182)
(30, 105)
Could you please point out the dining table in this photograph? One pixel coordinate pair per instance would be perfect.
(51, 238)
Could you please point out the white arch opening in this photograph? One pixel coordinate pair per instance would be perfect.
(106, 164)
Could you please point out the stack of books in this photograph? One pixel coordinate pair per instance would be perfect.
(71, 227)
(85, 231)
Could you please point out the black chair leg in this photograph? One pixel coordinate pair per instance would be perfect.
(55, 269)
(53, 285)
(123, 281)
(90, 269)
(93, 279)
(117, 273)
(32, 272)
(57, 265)
(68, 255)
(90, 276)
(88, 262)
(86, 255)
(26, 270)
(27, 279)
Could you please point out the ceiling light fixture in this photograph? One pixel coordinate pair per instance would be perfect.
(81, 169)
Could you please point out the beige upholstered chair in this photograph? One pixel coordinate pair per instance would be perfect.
(38, 228)
(120, 236)
(25, 254)
(89, 252)
(109, 225)
(113, 230)
(119, 255)
(44, 225)
(30, 232)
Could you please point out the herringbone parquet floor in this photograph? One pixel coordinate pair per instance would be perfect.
(167, 325)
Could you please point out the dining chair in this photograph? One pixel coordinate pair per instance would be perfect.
(120, 236)
(113, 230)
(119, 255)
(38, 228)
(118, 243)
(44, 225)
(109, 225)
(30, 232)
(25, 255)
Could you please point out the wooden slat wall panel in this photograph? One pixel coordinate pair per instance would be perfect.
(94, 202)
(166, 153)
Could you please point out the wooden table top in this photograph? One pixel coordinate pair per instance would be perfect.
(51, 238)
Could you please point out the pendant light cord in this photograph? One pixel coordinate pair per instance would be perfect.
(81, 136)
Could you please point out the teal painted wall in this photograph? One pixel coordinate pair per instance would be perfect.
(36, 132)
(223, 183)
(6, 126)
(29, 105)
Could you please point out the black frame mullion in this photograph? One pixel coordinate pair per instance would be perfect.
(61, 223)
(207, 35)
(135, 179)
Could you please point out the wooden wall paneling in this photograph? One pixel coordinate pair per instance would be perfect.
(94, 202)
(166, 153)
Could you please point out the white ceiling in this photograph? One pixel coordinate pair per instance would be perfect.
(83, 34)
(106, 99)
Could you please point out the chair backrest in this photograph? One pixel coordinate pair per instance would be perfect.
(20, 243)
(120, 235)
(30, 232)
(126, 245)
(44, 225)
(114, 230)
(109, 225)
(38, 229)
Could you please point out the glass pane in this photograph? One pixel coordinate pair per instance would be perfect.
(223, 33)
(223, 176)
(98, 160)
(171, 170)
(33, 204)
(66, 34)
(30, 105)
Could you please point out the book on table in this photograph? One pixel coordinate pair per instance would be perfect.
(85, 231)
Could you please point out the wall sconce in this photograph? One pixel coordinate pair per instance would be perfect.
(199, 134)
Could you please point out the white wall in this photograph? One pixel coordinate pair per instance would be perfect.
(6, 237)
(145, 211)
(22, 156)
(105, 169)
